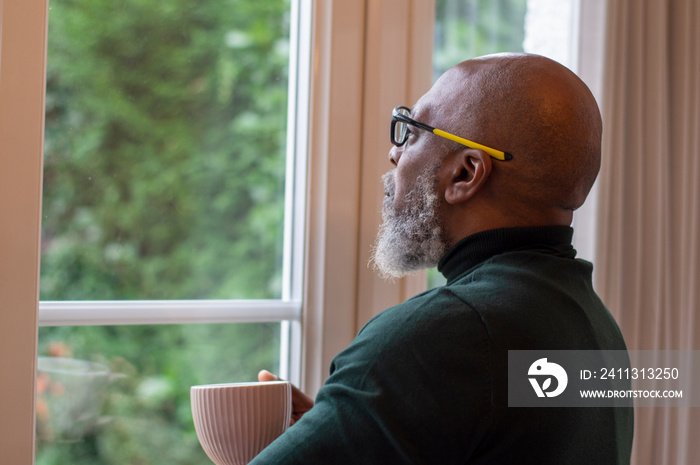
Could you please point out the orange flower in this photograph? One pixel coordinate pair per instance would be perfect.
(42, 382)
(59, 349)
(42, 410)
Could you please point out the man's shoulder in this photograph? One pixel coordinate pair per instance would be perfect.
(434, 330)
(531, 300)
(432, 306)
(434, 318)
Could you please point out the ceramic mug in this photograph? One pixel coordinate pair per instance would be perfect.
(235, 421)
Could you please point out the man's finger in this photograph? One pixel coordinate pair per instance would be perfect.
(265, 375)
(298, 397)
(301, 403)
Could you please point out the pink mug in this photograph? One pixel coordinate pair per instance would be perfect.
(234, 422)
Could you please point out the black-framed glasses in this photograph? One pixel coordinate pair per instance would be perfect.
(401, 119)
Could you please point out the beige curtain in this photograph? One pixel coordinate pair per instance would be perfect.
(648, 255)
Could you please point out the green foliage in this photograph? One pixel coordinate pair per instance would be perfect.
(165, 149)
(164, 179)
(146, 418)
(466, 29)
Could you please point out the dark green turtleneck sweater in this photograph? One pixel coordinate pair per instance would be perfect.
(426, 381)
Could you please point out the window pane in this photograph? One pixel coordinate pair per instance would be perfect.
(549, 27)
(471, 28)
(120, 394)
(165, 149)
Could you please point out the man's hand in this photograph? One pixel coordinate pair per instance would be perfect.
(301, 403)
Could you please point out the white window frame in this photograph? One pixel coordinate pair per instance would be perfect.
(582, 52)
(589, 51)
(367, 57)
(286, 310)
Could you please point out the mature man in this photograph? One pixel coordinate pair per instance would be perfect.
(426, 381)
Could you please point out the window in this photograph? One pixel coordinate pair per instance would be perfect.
(164, 165)
(172, 229)
(340, 291)
(351, 81)
(467, 29)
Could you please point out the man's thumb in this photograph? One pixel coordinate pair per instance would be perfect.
(265, 375)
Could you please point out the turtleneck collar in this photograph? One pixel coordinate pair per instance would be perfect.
(483, 245)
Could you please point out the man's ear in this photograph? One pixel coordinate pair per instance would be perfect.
(468, 171)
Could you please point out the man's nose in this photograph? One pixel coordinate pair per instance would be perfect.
(395, 155)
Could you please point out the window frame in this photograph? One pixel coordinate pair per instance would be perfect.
(336, 293)
(287, 309)
(22, 80)
(353, 81)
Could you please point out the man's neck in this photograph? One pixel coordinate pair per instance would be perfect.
(469, 224)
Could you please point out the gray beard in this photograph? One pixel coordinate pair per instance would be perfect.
(411, 240)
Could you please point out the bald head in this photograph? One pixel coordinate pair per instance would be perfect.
(537, 110)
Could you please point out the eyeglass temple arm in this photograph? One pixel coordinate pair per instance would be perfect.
(497, 154)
